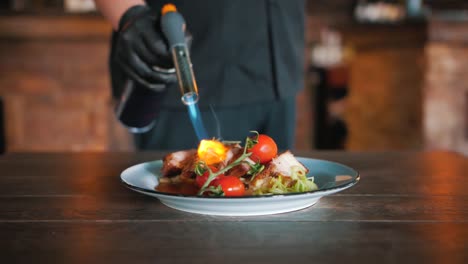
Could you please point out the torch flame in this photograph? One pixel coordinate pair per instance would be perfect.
(211, 151)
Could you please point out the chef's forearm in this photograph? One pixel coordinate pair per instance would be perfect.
(113, 10)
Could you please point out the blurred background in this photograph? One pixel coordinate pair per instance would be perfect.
(380, 75)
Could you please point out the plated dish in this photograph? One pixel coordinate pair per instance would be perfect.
(225, 178)
(330, 178)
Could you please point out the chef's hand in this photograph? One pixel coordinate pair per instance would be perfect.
(142, 50)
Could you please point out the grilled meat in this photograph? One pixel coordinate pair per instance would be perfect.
(234, 151)
(174, 163)
(241, 169)
(188, 170)
(285, 161)
(280, 165)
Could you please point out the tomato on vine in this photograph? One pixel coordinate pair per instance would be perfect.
(232, 186)
(263, 148)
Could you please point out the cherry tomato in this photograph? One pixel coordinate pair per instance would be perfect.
(201, 179)
(232, 186)
(264, 150)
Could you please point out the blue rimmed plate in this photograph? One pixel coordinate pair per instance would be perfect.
(330, 177)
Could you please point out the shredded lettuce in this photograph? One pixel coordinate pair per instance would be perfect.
(297, 182)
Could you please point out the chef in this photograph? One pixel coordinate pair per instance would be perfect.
(247, 59)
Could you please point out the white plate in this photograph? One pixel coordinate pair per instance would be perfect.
(330, 177)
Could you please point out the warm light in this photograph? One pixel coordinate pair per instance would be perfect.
(211, 151)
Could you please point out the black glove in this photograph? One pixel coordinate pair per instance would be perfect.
(142, 50)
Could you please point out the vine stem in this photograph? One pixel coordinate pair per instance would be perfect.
(248, 144)
(213, 175)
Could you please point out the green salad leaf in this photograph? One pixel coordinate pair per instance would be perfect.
(297, 182)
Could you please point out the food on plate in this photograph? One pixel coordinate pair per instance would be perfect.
(225, 168)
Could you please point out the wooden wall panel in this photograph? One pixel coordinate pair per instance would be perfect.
(56, 122)
(56, 89)
(446, 87)
(387, 65)
(384, 105)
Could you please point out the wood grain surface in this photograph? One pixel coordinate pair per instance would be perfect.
(72, 208)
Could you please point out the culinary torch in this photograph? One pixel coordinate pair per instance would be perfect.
(173, 26)
(139, 106)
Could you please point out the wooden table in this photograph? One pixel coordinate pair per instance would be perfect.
(72, 208)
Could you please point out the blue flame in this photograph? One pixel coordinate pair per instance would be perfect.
(195, 115)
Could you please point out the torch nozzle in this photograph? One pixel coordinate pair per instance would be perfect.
(189, 98)
(187, 84)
